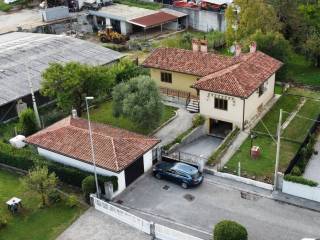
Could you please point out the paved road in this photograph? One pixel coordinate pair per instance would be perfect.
(94, 225)
(264, 218)
(180, 124)
(313, 168)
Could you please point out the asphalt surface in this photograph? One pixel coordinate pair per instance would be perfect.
(206, 205)
(95, 225)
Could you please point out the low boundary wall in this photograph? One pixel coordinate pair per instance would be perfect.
(156, 230)
(301, 190)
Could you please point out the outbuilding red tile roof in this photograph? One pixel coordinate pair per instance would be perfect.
(236, 76)
(154, 19)
(114, 148)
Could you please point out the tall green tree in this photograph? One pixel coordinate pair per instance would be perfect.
(245, 17)
(139, 100)
(70, 83)
(275, 45)
(41, 181)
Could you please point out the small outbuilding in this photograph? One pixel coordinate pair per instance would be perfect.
(118, 152)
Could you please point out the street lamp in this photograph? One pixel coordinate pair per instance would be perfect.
(92, 149)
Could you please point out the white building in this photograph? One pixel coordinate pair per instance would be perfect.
(118, 152)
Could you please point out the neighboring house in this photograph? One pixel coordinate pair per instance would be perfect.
(118, 152)
(27, 55)
(230, 91)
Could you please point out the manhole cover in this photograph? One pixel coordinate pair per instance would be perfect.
(166, 187)
(189, 197)
(119, 201)
(249, 196)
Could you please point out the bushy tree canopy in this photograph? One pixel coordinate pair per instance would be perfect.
(27, 122)
(139, 100)
(69, 83)
(40, 181)
(245, 17)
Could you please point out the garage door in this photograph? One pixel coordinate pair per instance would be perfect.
(134, 171)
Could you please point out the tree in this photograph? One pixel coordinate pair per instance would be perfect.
(245, 17)
(139, 100)
(312, 49)
(229, 230)
(275, 45)
(88, 186)
(27, 122)
(40, 181)
(70, 83)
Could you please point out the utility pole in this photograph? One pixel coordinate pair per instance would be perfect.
(34, 103)
(92, 148)
(278, 150)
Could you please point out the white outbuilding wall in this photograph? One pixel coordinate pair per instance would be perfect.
(147, 161)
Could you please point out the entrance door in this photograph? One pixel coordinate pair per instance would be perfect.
(134, 171)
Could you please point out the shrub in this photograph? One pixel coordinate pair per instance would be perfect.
(54, 196)
(198, 120)
(300, 180)
(3, 222)
(229, 230)
(296, 171)
(88, 186)
(26, 159)
(27, 122)
(71, 201)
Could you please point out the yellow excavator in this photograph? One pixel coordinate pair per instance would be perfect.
(108, 35)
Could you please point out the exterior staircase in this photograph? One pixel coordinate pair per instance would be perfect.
(193, 106)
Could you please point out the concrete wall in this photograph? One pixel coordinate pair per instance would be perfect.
(254, 101)
(84, 166)
(300, 190)
(171, 25)
(147, 161)
(180, 81)
(126, 28)
(203, 20)
(55, 13)
(233, 114)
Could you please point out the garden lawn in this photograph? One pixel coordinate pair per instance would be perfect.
(141, 4)
(32, 223)
(301, 71)
(295, 133)
(103, 114)
(262, 168)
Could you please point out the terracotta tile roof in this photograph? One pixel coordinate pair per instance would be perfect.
(237, 76)
(154, 19)
(243, 78)
(115, 148)
(189, 62)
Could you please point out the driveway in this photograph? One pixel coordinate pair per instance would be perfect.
(180, 124)
(312, 170)
(203, 146)
(197, 213)
(94, 225)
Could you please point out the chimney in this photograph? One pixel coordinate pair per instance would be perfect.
(204, 46)
(238, 49)
(74, 113)
(253, 47)
(195, 45)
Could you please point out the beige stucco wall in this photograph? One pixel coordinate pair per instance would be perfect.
(234, 114)
(254, 101)
(180, 81)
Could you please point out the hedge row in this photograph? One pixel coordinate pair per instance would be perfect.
(26, 159)
(301, 180)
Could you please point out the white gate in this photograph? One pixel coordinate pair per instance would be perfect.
(165, 233)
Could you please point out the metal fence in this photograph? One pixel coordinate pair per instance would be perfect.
(156, 230)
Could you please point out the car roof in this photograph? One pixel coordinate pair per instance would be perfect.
(185, 168)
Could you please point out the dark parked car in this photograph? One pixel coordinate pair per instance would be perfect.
(181, 173)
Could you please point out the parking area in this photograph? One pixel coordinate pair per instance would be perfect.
(197, 210)
(312, 170)
(203, 146)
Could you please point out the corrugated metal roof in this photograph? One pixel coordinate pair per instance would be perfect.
(21, 51)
